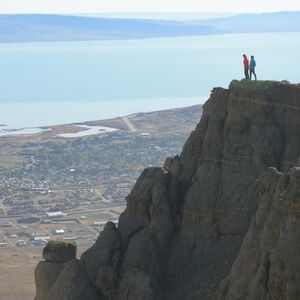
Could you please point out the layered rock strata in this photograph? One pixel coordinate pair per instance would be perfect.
(183, 234)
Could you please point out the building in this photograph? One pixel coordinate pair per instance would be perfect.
(56, 214)
(21, 243)
(40, 240)
(46, 221)
(29, 219)
(59, 231)
(5, 225)
(99, 223)
(70, 238)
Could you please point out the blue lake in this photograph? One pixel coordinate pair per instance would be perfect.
(62, 82)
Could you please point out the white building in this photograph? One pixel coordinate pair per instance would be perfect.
(56, 214)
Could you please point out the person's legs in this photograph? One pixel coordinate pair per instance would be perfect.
(247, 73)
(254, 75)
(252, 72)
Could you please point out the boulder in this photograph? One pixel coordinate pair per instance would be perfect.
(59, 251)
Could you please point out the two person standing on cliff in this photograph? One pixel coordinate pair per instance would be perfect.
(250, 66)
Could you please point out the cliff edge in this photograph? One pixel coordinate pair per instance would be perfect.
(220, 221)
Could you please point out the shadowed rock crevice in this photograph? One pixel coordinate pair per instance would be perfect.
(185, 231)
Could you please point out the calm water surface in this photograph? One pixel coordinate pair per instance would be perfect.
(61, 82)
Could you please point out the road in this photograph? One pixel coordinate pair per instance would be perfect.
(79, 211)
(104, 209)
(129, 124)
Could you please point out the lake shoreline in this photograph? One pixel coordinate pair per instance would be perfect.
(107, 79)
(78, 129)
(45, 115)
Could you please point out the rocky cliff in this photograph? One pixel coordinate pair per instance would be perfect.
(220, 221)
(268, 264)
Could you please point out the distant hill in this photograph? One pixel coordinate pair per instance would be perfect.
(24, 28)
(41, 27)
(246, 23)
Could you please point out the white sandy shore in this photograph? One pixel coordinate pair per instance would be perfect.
(91, 130)
(23, 131)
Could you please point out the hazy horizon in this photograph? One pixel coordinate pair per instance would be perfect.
(129, 13)
(142, 6)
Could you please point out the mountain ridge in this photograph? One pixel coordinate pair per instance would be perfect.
(43, 27)
(47, 27)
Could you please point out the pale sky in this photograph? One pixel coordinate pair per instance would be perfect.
(95, 6)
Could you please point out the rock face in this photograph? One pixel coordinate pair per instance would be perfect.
(203, 226)
(268, 265)
(102, 259)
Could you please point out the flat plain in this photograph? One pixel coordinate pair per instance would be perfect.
(85, 178)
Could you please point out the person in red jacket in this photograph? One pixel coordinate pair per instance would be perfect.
(246, 66)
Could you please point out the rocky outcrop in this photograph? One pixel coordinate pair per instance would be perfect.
(192, 227)
(61, 276)
(46, 273)
(102, 259)
(59, 251)
(73, 283)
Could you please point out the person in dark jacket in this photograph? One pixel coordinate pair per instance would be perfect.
(246, 66)
(252, 67)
